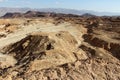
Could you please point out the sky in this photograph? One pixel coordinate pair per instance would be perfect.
(95, 5)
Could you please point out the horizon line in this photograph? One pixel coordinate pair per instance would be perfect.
(65, 8)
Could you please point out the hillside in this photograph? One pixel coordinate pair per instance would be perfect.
(59, 47)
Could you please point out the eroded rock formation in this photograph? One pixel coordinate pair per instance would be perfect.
(60, 47)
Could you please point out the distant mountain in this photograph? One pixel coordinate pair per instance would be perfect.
(25, 15)
(4, 10)
(78, 12)
(88, 15)
(31, 14)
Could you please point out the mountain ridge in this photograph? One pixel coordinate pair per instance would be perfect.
(4, 10)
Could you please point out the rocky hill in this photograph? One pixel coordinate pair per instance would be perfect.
(38, 46)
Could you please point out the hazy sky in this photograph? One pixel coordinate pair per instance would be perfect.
(96, 5)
